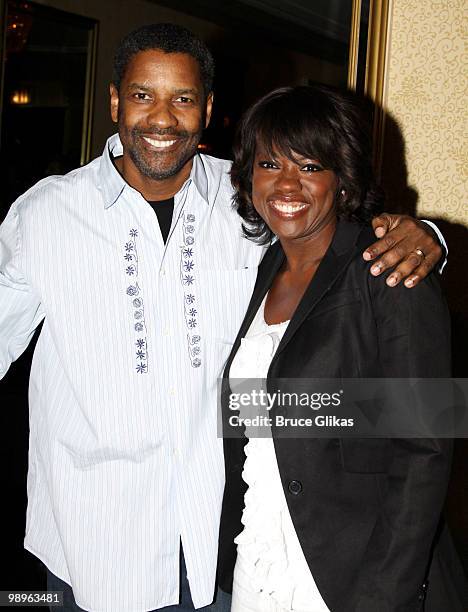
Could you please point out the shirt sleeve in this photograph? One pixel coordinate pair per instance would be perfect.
(20, 307)
(443, 244)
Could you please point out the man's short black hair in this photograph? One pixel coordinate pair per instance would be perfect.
(167, 37)
(317, 122)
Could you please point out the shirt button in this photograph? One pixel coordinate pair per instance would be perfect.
(171, 392)
(167, 332)
(295, 487)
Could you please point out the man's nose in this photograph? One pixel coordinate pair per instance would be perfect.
(161, 116)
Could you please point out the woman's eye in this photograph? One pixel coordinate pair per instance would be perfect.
(267, 164)
(312, 168)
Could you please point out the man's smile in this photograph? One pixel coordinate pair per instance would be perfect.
(159, 144)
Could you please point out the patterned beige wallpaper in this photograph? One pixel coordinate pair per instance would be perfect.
(427, 78)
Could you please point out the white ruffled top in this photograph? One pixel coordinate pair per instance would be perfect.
(268, 550)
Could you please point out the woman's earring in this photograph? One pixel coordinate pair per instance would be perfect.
(343, 192)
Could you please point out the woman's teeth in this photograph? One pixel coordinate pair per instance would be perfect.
(288, 207)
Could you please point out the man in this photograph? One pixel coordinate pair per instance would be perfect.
(140, 311)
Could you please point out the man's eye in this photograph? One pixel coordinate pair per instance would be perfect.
(268, 165)
(312, 168)
(140, 95)
(184, 100)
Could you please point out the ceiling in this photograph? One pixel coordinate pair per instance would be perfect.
(332, 17)
(314, 27)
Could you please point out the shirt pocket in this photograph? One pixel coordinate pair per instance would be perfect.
(224, 297)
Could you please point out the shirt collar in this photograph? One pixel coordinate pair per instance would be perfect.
(112, 184)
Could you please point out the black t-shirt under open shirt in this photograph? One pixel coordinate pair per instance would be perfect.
(164, 210)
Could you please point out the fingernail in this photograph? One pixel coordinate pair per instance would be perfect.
(409, 282)
(367, 256)
(375, 269)
(379, 232)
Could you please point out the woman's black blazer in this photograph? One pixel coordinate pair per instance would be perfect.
(366, 511)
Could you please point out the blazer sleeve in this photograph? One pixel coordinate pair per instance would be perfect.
(413, 330)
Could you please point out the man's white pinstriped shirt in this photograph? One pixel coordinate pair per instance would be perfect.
(124, 460)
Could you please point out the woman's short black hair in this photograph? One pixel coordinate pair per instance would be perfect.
(316, 122)
(167, 37)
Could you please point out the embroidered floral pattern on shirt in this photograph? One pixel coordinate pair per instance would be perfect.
(134, 293)
(188, 281)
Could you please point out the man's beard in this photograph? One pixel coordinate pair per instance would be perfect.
(162, 165)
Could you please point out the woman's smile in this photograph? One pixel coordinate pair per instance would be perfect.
(287, 209)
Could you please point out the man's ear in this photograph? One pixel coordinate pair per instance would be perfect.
(209, 108)
(114, 102)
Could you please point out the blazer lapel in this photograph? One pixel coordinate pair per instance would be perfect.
(341, 251)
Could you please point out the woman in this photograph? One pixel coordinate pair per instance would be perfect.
(328, 524)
